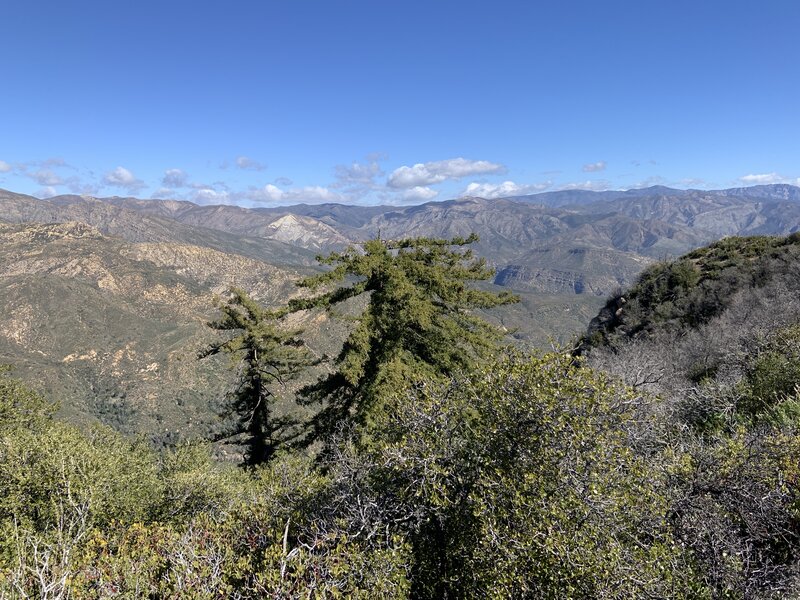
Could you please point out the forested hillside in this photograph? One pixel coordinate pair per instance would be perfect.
(714, 337)
(661, 463)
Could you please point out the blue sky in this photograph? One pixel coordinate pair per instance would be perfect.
(277, 102)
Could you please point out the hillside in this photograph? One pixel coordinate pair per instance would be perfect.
(112, 328)
(710, 344)
(136, 226)
(533, 240)
(671, 297)
(112, 311)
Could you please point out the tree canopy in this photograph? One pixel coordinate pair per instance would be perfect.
(269, 355)
(417, 321)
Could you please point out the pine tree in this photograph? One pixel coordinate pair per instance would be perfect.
(417, 322)
(269, 355)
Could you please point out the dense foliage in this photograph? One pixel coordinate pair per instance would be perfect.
(416, 324)
(726, 368)
(268, 355)
(667, 470)
(516, 478)
(690, 291)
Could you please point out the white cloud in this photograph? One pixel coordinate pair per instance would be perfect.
(650, 182)
(418, 193)
(761, 178)
(506, 188)
(46, 177)
(123, 178)
(46, 192)
(269, 193)
(247, 163)
(174, 178)
(595, 185)
(768, 178)
(314, 194)
(422, 174)
(211, 196)
(4, 167)
(600, 165)
(358, 173)
(309, 194)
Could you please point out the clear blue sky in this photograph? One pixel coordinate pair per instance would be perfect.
(264, 102)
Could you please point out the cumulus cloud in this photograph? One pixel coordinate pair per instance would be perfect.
(506, 188)
(422, 174)
(123, 178)
(46, 192)
(4, 167)
(284, 181)
(46, 177)
(357, 173)
(762, 178)
(768, 178)
(600, 165)
(174, 178)
(594, 185)
(269, 193)
(248, 164)
(314, 194)
(211, 196)
(418, 193)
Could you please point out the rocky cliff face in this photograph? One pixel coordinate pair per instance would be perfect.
(545, 280)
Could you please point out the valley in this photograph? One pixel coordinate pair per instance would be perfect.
(107, 299)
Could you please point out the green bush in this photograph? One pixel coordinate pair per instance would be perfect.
(518, 480)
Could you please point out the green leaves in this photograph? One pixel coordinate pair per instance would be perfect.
(269, 355)
(517, 479)
(21, 406)
(417, 322)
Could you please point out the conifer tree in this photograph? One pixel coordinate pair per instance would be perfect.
(417, 322)
(269, 355)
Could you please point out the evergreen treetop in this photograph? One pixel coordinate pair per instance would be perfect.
(269, 355)
(417, 321)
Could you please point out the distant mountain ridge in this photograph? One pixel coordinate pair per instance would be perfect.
(115, 217)
(532, 240)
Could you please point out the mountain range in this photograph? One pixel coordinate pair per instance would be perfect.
(543, 242)
(106, 299)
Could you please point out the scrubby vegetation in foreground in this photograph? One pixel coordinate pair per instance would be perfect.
(519, 476)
